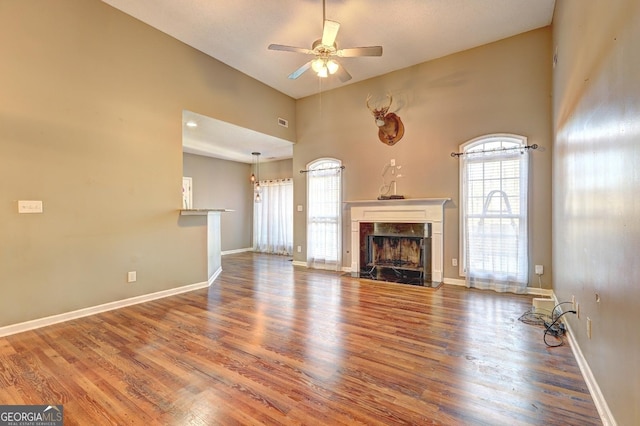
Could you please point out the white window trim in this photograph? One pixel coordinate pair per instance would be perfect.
(522, 140)
(339, 236)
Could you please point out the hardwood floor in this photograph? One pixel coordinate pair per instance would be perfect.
(269, 343)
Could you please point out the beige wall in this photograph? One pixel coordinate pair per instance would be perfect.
(503, 87)
(596, 212)
(280, 169)
(223, 184)
(90, 123)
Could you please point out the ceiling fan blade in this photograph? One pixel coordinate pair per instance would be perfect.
(297, 73)
(343, 74)
(330, 32)
(290, 49)
(360, 51)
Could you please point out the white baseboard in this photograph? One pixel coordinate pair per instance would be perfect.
(540, 292)
(214, 276)
(462, 283)
(242, 250)
(92, 310)
(598, 399)
(299, 263)
(454, 281)
(530, 290)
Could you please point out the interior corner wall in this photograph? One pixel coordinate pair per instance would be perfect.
(596, 213)
(224, 184)
(91, 124)
(502, 87)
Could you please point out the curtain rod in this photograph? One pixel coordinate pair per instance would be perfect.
(275, 180)
(321, 170)
(459, 154)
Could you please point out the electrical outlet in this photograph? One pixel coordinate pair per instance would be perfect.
(589, 327)
(454, 262)
(131, 277)
(393, 162)
(299, 249)
(578, 310)
(539, 270)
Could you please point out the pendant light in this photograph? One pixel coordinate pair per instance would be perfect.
(255, 178)
(252, 178)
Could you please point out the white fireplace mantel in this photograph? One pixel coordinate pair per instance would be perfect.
(406, 210)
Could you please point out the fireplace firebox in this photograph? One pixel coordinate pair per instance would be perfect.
(396, 252)
(424, 211)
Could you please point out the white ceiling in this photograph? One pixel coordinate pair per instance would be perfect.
(237, 32)
(219, 139)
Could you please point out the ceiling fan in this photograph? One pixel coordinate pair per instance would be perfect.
(325, 50)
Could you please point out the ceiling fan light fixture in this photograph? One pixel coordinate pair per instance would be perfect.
(317, 65)
(323, 73)
(332, 66)
(324, 49)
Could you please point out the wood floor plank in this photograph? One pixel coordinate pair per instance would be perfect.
(270, 343)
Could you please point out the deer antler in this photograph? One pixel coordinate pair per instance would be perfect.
(379, 111)
(367, 101)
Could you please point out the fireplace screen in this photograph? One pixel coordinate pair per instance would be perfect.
(396, 252)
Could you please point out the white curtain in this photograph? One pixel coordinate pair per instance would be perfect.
(494, 212)
(273, 218)
(324, 205)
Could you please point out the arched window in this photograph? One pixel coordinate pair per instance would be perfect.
(324, 198)
(493, 186)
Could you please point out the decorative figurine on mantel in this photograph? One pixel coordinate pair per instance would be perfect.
(387, 191)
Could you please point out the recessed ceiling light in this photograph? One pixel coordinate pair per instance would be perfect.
(192, 124)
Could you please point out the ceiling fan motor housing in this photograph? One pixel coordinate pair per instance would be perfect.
(322, 50)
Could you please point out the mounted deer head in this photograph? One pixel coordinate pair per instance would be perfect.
(390, 127)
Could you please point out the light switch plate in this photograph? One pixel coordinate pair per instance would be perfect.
(29, 206)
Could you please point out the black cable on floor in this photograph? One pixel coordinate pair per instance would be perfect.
(556, 331)
(549, 321)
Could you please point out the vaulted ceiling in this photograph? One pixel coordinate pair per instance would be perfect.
(238, 33)
(410, 31)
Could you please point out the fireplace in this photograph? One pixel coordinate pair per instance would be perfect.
(396, 252)
(398, 240)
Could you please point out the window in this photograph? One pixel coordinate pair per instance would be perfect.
(324, 197)
(494, 241)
